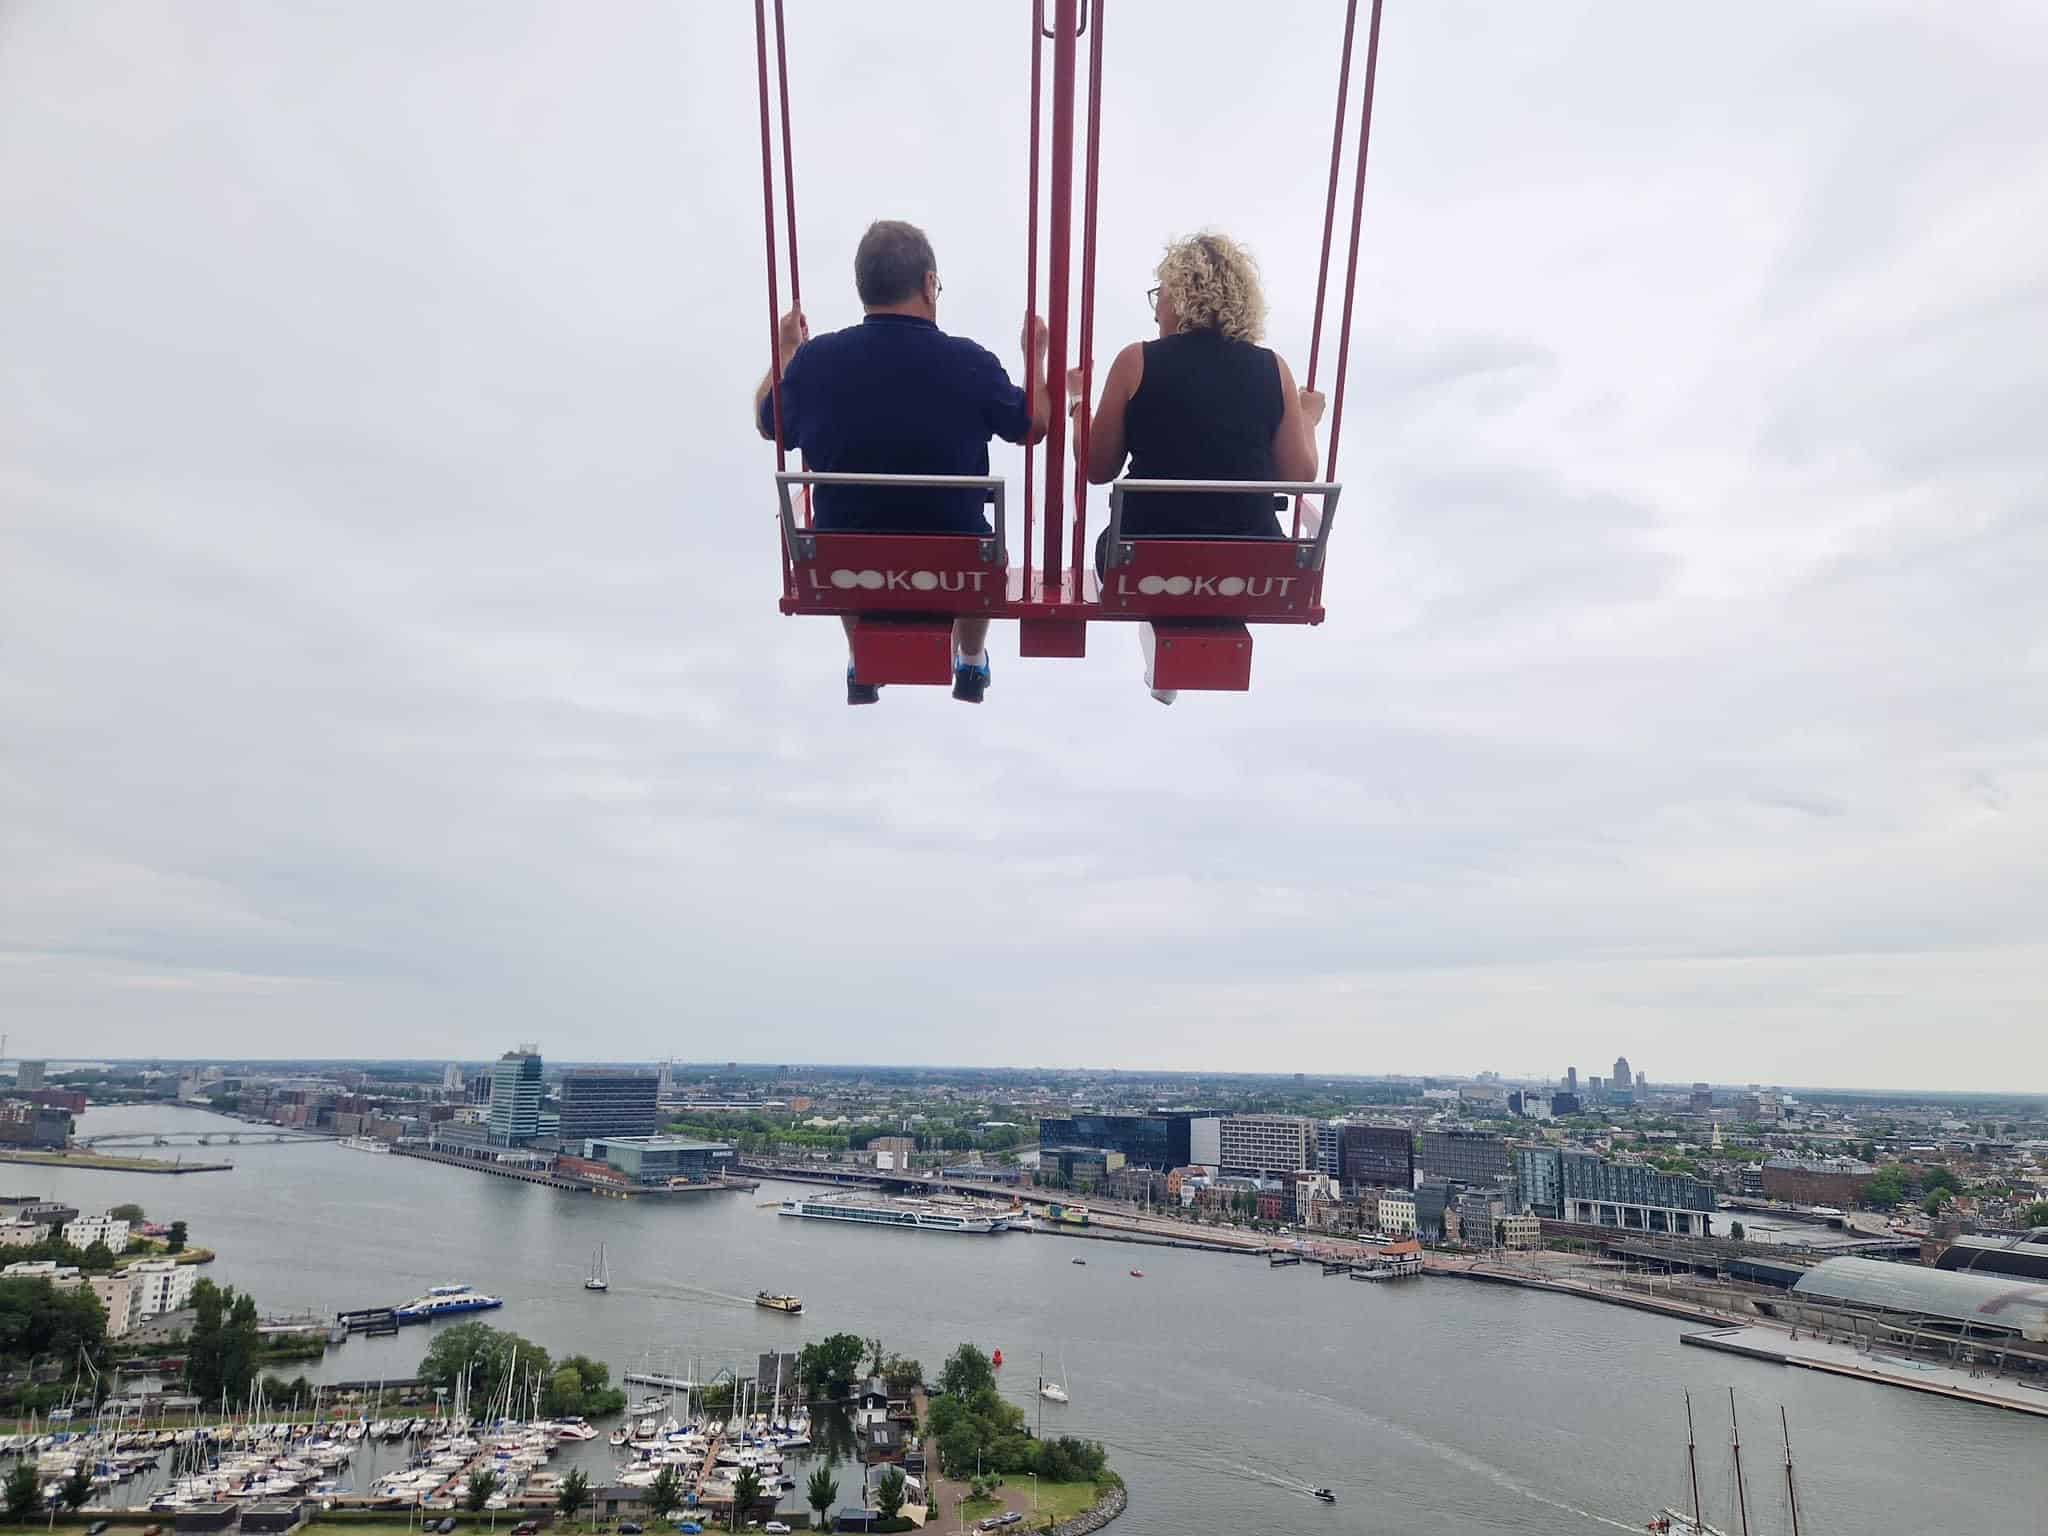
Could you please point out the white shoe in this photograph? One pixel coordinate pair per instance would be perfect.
(1165, 695)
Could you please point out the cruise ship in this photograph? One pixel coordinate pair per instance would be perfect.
(446, 1301)
(877, 1210)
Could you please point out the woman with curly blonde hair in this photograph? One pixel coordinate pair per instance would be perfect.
(1203, 402)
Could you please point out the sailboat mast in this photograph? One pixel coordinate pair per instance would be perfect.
(1735, 1440)
(1692, 1462)
(1039, 1433)
(1791, 1493)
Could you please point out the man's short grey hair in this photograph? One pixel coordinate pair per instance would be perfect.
(890, 265)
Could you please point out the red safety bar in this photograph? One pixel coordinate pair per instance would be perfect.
(903, 590)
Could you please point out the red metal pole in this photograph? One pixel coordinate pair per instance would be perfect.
(1087, 336)
(1031, 253)
(1315, 335)
(796, 282)
(1057, 253)
(1372, 61)
(768, 225)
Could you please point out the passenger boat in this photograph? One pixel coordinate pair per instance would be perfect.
(922, 1215)
(1324, 1494)
(776, 1303)
(445, 1301)
(365, 1144)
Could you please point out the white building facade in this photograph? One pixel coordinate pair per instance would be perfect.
(87, 1230)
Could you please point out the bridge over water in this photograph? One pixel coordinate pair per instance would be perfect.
(196, 1139)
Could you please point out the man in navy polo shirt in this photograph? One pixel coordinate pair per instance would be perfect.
(895, 395)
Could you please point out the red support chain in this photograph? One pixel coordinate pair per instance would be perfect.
(1315, 335)
(768, 225)
(1058, 249)
(1372, 59)
(1031, 260)
(1087, 334)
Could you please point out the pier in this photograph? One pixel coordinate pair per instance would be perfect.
(1810, 1353)
(373, 1321)
(553, 1180)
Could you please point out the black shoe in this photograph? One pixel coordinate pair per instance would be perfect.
(970, 680)
(862, 693)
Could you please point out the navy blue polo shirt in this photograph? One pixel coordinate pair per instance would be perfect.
(895, 395)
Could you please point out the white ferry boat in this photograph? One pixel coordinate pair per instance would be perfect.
(365, 1144)
(880, 1211)
(446, 1301)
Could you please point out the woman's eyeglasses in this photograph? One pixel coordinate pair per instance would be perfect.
(1152, 298)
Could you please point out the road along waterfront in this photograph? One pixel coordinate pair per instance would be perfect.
(1224, 1389)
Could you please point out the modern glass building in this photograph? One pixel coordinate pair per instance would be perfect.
(1376, 1156)
(1164, 1139)
(604, 1103)
(515, 1097)
(660, 1159)
(1465, 1157)
(1583, 1187)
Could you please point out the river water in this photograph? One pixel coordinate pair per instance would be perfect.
(1224, 1389)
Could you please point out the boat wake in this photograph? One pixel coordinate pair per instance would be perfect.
(1466, 1461)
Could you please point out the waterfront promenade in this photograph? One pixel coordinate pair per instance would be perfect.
(1809, 1352)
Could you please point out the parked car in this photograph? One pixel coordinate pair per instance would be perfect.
(776, 1528)
(690, 1528)
(1011, 1518)
(447, 1524)
(526, 1528)
(629, 1528)
(96, 1528)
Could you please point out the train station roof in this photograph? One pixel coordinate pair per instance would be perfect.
(1996, 1303)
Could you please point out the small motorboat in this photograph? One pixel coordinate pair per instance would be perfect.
(1137, 1274)
(1325, 1495)
(1082, 1262)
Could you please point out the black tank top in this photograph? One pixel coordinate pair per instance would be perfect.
(1206, 409)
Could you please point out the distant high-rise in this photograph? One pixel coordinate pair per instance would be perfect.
(1622, 1081)
(28, 1075)
(451, 1079)
(1702, 1097)
(515, 1096)
(1571, 1080)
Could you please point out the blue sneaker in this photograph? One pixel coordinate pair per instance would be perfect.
(970, 679)
(862, 693)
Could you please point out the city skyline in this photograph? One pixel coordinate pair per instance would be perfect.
(388, 645)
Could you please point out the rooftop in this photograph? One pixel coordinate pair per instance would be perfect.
(1994, 1301)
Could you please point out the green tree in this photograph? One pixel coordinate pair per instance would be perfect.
(966, 1373)
(482, 1484)
(563, 1395)
(176, 1238)
(488, 1356)
(1886, 1189)
(97, 1258)
(665, 1494)
(1935, 1200)
(574, 1494)
(203, 1343)
(746, 1493)
(828, 1367)
(22, 1492)
(77, 1488)
(889, 1493)
(821, 1493)
(2035, 1215)
(1737, 1231)
(877, 1357)
(241, 1338)
(1941, 1178)
(128, 1213)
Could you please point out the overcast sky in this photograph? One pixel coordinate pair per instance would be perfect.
(389, 662)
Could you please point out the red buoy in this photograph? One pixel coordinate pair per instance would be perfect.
(996, 1360)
